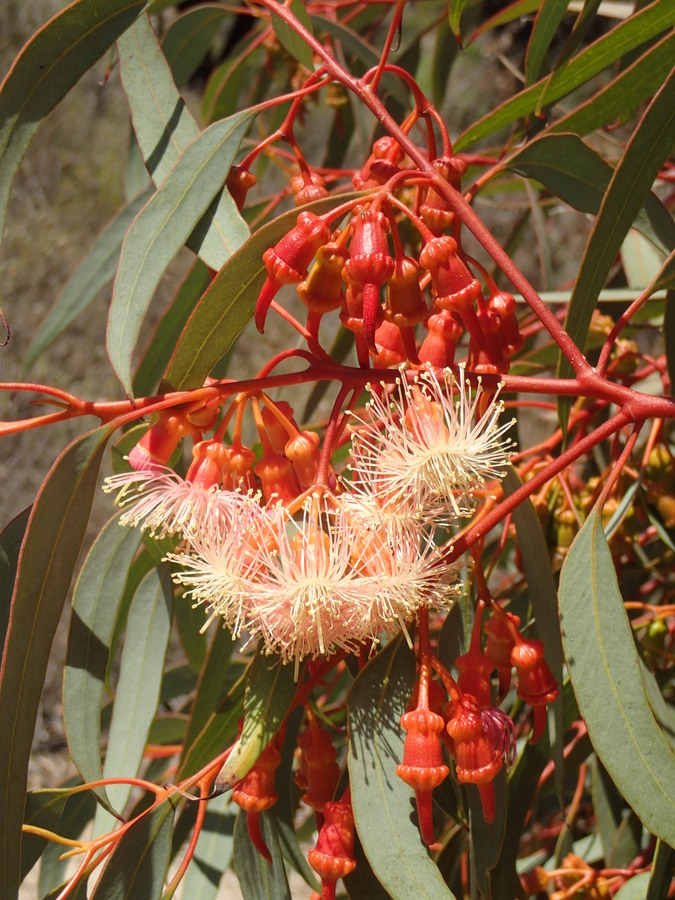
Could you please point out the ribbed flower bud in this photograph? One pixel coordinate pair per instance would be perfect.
(454, 286)
(369, 265)
(477, 759)
(504, 306)
(438, 347)
(321, 768)
(239, 182)
(423, 767)
(498, 646)
(333, 856)
(536, 684)
(206, 468)
(434, 209)
(306, 188)
(405, 303)
(303, 451)
(475, 669)
(256, 793)
(278, 479)
(277, 432)
(321, 291)
(238, 462)
(287, 262)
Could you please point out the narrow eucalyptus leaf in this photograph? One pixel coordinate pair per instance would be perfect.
(605, 673)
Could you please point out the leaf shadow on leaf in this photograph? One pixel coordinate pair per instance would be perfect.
(166, 137)
(85, 649)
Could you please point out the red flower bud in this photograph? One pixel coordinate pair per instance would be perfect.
(455, 288)
(423, 767)
(239, 181)
(154, 449)
(208, 459)
(321, 291)
(498, 646)
(503, 305)
(536, 684)
(303, 451)
(333, 856)
(255, 793)
(390, 346)
(369, 266)
(279, 481)
(434, 209)
(475, 669)
(438, 347)
(320, 767)
(477, 759)
(405, 303)
(308, 187)
(287, 262)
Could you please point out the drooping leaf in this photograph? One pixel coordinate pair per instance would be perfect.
(213, 852)
(96, 601)
(270, 690)
(164, 128)
(95, 271)
(605, 673)
(49, 65)
(549, 16)
(189, 38)
(136, 868)
(43, 810)
(165, 336)
(163, 226)
(227, 306)
(258, 879)
(381, 801)
(290, 39)
(633, 32)
(633, 177)
(11, 539)
(48, 555)
(137, 695)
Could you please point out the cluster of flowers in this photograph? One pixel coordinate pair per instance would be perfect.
(340, 563)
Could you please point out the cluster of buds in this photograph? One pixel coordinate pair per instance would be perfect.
(381, 293)
(477, 735)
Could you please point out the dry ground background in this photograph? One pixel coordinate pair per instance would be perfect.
(70, 184)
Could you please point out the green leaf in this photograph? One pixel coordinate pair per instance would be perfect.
(381, 801)
(164, 128)
(78, 812)
(543, 597)
(163, 341)
(270, 690)
(95, 271)
(623, 95)
(137, 695)
(258, 879)
(605, 673)
(11, 539)
(136, 868)
(634, 31)
(634, 889)
(189, 38)
(96, 600)
(663, 868)
(509, 13)
(227, 306)
(455, 10)
(213, 852)
(217, 733)
(48, 555)
(487, 839)
(227, 83)
(43, 810)
(49, 65)
(212, 685)
(290, 40)
(549, 16)
(639, 165)
(580, 177)
(162, 227)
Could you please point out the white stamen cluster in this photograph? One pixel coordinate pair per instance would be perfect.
(347, 568)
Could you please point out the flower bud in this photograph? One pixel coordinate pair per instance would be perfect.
(287, 262)
(369, 265)
(423, 767)
(536, 684)
(154, 449)
(333, 856)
